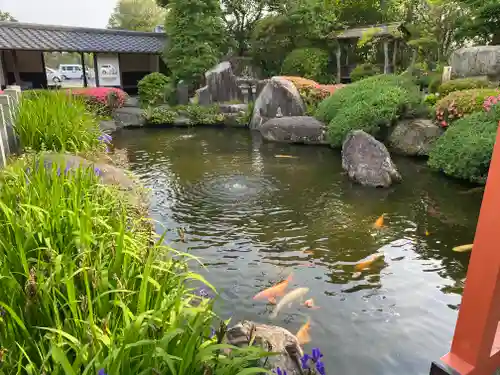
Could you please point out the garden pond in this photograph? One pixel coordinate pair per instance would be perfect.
(254, 218)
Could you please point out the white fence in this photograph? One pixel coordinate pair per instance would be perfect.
(9, 101)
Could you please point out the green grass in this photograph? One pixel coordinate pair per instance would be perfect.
(56, 121)
(83, 287)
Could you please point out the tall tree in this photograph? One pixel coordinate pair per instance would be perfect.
(197, 38)
(482, 22)
(139, 15)
(6, 16)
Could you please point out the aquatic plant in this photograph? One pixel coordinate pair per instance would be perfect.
(56, 121)
(84, 289)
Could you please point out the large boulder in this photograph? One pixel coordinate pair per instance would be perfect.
(279, 97)
(270, 338)
(129, 117)
(475, 61)
(414, 137)
(296, 129)
(222, 84)
(367, 161)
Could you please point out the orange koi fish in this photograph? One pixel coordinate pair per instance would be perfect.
(277, 290)
(463, 248)
(379, 223)
(368, 263)
(303, 333)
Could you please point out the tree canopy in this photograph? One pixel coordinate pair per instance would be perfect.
(6, 16)
(138, 15)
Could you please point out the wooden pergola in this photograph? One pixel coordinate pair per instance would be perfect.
(387, 33)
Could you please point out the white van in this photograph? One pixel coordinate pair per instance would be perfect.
(70, 71)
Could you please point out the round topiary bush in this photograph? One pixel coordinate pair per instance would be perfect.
(310, 63)
(465, 149)
(153, 89)
(363, 71)
(462, 84)
(460, 103)
(370, 105)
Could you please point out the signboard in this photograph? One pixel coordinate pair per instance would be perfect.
(108, 69)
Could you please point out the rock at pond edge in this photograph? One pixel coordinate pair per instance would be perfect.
(294, 129)
(280, 95)
(270, 338)
(129, 117)
(367, 161)
(414, 137)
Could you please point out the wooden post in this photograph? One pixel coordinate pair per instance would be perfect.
(82, 58)
(4, 140)
(339, 67)
(96, 70)
(476, 343)
(15, 63)
(44, 69)
(394, 55)
(386, 56)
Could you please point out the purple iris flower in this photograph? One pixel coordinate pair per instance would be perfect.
(101, 372)
(212, 332)
(305, 361)
(320, 367)
(67, 169)
(105, 138)
(97, 171)
(278, 371)
(316, 354)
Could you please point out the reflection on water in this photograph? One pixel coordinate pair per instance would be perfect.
(255, 218)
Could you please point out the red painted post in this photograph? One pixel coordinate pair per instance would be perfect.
(474, 347)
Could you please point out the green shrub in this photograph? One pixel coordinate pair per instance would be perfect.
(465, 149)
(84, 288)
(462, 84)
(197, 114)
(154, 88)
(431, 99)
(56, 121)
(363, 71)
(460, 103)
(370, 105)
(434, 83)
(311, 63)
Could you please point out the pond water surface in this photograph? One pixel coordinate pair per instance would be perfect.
(251, 216)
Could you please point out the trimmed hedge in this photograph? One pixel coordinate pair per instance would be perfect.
(363, 71)
(153, 89)
(464, 151)
(310, 63)
(370, 105)
(462, 84)
(460, 103)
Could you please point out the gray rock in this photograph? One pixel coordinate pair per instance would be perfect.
(204, 97)
(475, 61)
(131, 101)
(222, 84)
(129, 117)
(278, 98)
(182, 93)
(259, 86)
(414, 137)
(270, 338)
(297, 129)
(367, 161)
(107, 126)
(182, 122)
(233, 108)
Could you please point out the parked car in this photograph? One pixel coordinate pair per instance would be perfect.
(53, 77)
(71, 71)
(108, 69)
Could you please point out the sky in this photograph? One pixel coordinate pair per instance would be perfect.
(85, 13)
